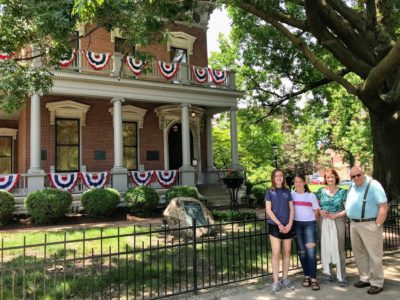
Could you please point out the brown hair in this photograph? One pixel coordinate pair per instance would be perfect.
(303, 178)
(284, 184)
(332, 171)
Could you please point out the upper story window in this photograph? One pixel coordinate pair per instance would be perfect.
(6, 156)
(122, 46)
(67, 145)
(179, 55)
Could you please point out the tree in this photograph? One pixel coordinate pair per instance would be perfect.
(309, 42)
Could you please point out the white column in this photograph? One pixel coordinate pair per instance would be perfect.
(185, 135)
(234, 139)
(118, 142)
(210, 158)
(35, 134)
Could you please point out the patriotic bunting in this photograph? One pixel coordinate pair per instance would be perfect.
(96, 59)
(168, 70)
(200, 74)
(135, 65)
(64, 182)
(166, 177)
(67, 59)
(7, 182)
(142, 178)
(95, 180)
(218, 76)
(6, 55)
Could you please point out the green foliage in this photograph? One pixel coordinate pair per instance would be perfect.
(99, 203)
(142, 200)
(259, 192)
(231, 215)
(181, 191)
(47, 206)
(7, 206)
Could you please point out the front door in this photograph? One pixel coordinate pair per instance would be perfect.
(175, 146)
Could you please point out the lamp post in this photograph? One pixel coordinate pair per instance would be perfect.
(275, 148)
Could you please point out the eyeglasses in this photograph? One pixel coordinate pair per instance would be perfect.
(357, 175)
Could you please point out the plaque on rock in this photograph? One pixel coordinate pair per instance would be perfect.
(182, 210)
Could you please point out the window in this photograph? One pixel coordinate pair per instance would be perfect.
(129, 134)
(74, 44)
(122, 46)
(5, 154)
(67, 145)
(179, 55)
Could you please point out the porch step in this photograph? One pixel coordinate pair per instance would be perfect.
(217, 195)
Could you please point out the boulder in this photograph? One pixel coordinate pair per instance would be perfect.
(182, 210)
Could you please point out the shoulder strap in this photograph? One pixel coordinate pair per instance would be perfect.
(365, 199)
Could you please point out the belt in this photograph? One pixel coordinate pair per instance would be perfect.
(363, 220)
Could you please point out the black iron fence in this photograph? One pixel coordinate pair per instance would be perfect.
(146, 263)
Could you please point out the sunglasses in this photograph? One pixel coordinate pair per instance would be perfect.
(357, 175)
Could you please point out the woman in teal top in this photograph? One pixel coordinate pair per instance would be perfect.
(331, 201)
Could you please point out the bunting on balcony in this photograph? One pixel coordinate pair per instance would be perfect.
(68, 58)
(8, 182)
(218, 76)
(95, 180)
(135, 65)
(166, 177)
(4, 56)
(168, 70)
(64, 182)
(200, 74)
(96, 59)
(142, 178)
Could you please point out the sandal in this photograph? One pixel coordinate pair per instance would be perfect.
(306, 282)
(315, 286)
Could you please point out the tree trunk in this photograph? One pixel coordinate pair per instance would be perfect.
(386, 149)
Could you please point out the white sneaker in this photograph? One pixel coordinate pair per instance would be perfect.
(287, 283)
(275, 287)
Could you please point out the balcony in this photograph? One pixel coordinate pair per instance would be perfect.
(118, 68)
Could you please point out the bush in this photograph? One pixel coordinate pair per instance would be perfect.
(181, 191)
(46, 206)
(231, 215)
(259, 193)
(142, 200)
(99, 203)
(7, 206)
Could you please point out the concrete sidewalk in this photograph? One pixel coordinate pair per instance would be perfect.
(258, 289)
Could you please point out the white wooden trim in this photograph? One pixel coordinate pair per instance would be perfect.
(132, 113)
(67, 109)
(179, 39)
(9, 132)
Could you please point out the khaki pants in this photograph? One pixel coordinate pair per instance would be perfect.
(367, 244)
(341, 237)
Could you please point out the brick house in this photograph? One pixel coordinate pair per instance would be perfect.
(114, 121)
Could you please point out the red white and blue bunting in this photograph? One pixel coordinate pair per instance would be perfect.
(4, 56)
(218, 76)
(7, 182)
(168, 70)
(68, 58)
(96, 59)
(64, 182)
(200, 74)
(135, 65)
(142, 178)
(95, 180)
(166, 177)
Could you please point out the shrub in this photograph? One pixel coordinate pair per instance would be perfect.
(7, 206)
(231, 215)
(99, 203)
(259, 193)
(181, 191)
(46, 206)
(142, 200)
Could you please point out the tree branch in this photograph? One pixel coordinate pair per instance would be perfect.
(349, 14)
(371, 14)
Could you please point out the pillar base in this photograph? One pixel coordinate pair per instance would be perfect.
(187, 175)
(119, 179)
(35, 180)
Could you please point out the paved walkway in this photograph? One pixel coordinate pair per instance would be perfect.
(258, 289)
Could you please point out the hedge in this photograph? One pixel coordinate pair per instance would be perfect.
(100, 203)
(142, 200)
(7, 206)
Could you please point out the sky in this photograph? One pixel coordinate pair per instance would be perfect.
(219, 22)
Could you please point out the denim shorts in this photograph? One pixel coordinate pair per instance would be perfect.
(274, 231)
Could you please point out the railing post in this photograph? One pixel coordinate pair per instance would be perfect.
(117, 64)
(194, 258)
(232, 79)
(184, 73)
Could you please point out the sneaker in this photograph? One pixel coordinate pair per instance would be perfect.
(343, 283)
(327, 279)
(275, 287)
(287, 283)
